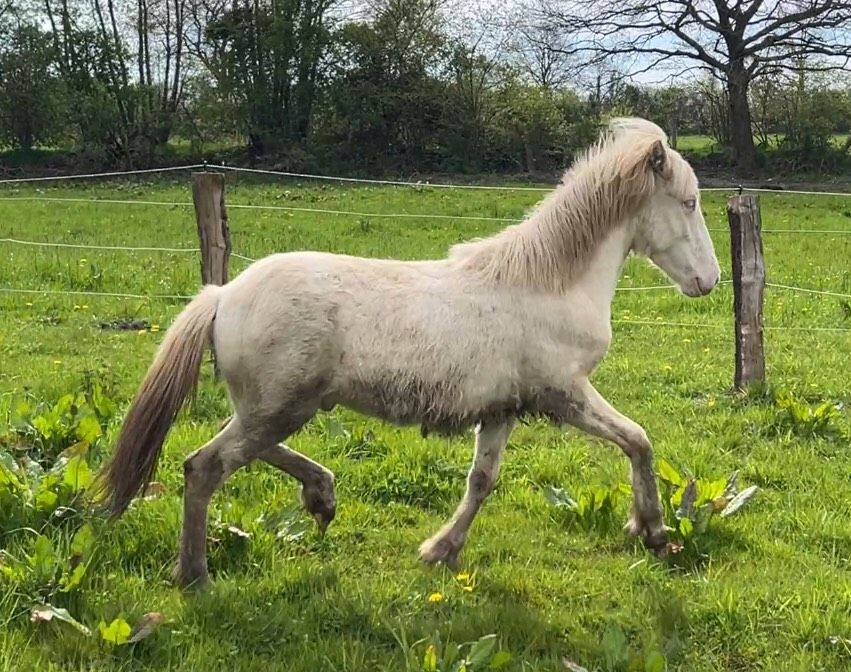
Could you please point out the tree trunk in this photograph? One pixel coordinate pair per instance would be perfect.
(741, 132)
(673, 130)
(25, 139)
(530, 156)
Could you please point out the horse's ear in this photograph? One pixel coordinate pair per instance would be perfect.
(659, 158)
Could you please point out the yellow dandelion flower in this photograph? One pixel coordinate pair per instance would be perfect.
(434, 598)
(706, 349)
(85, 307)
(463, 576)
(467, 589)
(142, 332)
(76, 307)
(29, 304)
(155, 327)
(686, 340)
(667, 367)
(57, 361)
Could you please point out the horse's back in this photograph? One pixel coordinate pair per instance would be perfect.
(289, 319)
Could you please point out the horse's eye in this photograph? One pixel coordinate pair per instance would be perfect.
(690, 204)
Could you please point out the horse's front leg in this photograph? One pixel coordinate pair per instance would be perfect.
(590, 412)
(446, 544)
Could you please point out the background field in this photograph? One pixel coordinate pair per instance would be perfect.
(703, 143)
(768, 590)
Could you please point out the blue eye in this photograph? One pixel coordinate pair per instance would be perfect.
(690, 204)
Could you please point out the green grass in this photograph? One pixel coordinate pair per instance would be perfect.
(696, 144)
(767, 590)
(702, 145)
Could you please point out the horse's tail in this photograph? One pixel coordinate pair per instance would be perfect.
(170, 380)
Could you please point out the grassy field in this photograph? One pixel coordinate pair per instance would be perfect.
(768, 589)
(700, 145)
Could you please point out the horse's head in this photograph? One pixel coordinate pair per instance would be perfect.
(670, 228)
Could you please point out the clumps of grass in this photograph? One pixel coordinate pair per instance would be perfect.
(43, 429)
(688, 503)
(426, 484)
(47, 569)
(45, 457)
(351, 441)
(86, 276)
(50, 541)
(44, 473)
(53, 542)
(481, 654)
(796, 415)
(32, 496)
(799, 418)
(380, 475)
(597, 509)
(618, 655)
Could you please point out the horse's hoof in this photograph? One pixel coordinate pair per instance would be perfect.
(321, 504)
(654, 541)
(320, 501)
(322, 522)
(657, 543)
(440, 550)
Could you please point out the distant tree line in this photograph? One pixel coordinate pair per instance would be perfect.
(385, 86)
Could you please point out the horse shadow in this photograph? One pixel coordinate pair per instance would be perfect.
(327, 622)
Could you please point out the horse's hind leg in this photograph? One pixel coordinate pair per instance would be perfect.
(317, 482)
(447, 543)
(207, 468)
(204, 471)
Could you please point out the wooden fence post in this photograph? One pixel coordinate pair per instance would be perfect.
(748, 286)
(208, 194)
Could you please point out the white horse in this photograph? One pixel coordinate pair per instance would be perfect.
(504, 327)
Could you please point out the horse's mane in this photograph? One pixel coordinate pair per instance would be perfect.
(607, 183)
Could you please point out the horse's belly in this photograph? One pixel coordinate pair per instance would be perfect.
(448, 405)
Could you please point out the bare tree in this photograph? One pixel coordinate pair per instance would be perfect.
(479, 34)
(161, 29)
(737, 40)
(541, 51)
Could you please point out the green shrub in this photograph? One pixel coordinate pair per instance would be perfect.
(690, 503)
(801, 419)
(43, 429)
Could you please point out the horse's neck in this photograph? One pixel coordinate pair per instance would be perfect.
(602, 273)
